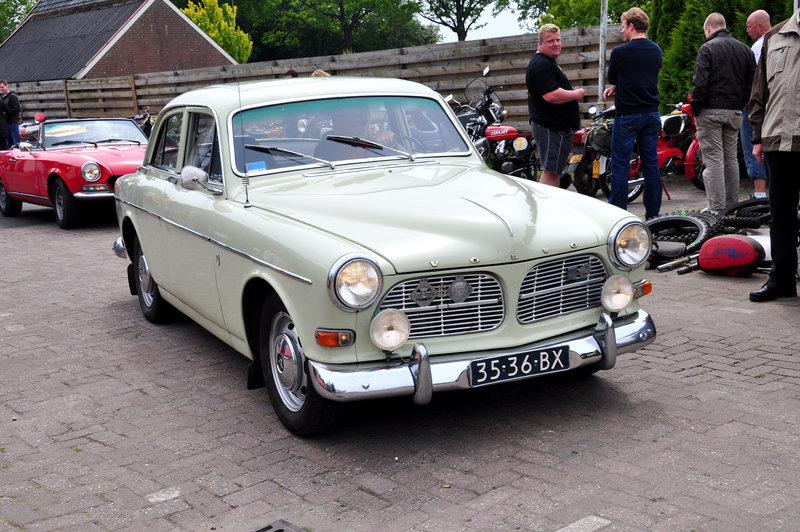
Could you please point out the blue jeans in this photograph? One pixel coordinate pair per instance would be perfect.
(754, 168)
(640, 129)
(13, 132)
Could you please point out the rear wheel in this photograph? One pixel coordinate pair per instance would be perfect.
(294, 399)
(66, 206)
(8, 205)
(153, 306)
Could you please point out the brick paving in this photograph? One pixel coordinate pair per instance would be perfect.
(112, 423)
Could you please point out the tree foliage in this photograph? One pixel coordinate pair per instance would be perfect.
(11, 14)
(219, 22)
(458, 15)
(283, 29)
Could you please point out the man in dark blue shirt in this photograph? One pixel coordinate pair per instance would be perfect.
(633, 73)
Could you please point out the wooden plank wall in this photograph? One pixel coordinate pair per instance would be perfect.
(446, 68)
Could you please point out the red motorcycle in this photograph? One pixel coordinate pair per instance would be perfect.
(677, 148)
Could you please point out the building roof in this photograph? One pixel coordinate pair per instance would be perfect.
(60, 37)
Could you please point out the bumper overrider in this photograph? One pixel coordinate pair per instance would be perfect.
(421, 375)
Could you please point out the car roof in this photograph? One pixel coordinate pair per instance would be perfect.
(229, 97)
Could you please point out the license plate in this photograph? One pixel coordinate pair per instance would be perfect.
(576, 158)
(510, 367)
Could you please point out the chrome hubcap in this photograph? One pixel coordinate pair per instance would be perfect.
(145, 281)
(286, 362)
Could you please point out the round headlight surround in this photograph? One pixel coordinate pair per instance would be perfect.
(629, 244)
(91, 172)
(354, 283)
(389, 329)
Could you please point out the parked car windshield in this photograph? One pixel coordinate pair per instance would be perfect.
(91, 133)
(342, 129)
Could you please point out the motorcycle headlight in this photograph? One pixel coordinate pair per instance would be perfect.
(91, 172)
(354, 283)
(629, 244)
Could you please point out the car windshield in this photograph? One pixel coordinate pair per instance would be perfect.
(329, 131)
(91, 133)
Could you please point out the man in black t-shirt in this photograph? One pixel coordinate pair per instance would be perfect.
(553, 105)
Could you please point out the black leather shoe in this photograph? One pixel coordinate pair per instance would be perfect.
(772, 290)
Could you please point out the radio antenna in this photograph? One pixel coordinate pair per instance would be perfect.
(239, 119)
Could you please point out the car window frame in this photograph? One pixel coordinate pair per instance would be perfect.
(160, 136)
(192, 115)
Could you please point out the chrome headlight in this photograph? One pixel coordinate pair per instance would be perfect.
(629, 244)
(617, 293)
(354, 283)
(389, 329)
(91, 172)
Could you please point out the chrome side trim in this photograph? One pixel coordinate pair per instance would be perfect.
(219, 244)
(354, 382)
(28, 195)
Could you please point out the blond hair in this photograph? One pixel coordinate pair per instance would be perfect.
(547, 28)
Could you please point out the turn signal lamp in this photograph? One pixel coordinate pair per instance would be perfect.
(334, 338)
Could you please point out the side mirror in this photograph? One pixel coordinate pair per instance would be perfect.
(193, 178)
(25, 146)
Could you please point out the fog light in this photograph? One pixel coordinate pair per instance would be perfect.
(617, 293)
(389, 329)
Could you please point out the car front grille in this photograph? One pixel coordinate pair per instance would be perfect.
(561, 286)
(448, 304)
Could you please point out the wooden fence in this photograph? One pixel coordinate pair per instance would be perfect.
(446, 68)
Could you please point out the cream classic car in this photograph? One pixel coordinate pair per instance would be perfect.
(345, 236)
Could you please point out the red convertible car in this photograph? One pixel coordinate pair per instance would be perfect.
(70, 161)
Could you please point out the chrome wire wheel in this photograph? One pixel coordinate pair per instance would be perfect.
(286, 362)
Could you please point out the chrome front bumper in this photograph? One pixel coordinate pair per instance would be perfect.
(422, 375)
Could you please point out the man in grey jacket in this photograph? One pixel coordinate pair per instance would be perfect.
(775, 115)
(723, 75)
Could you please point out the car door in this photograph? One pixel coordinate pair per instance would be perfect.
(190, 218)
(21, 171)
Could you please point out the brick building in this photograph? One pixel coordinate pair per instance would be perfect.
(84, 39)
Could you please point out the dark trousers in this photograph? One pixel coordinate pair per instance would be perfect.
(783, 171)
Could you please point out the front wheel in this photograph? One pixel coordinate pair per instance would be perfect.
(8, 205)
(294, 399)
(66, 206)
(583, 178)
(699, 167)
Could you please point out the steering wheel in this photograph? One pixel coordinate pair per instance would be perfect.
(415, 143)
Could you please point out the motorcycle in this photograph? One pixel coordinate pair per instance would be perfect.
(590, 162)
(503, 147)
(677, 147)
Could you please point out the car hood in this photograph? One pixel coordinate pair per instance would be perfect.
(418, 217)
(122, 158)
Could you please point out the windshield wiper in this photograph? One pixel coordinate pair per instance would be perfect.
(284, 151)
(74, 142)
(119, 140)
(367, 144)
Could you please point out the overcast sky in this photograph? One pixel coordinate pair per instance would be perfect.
(504, 25)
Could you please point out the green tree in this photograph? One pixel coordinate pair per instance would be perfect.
(11, 14)
(219, 22)
(283, 29)
(458, 15)
(567, 13)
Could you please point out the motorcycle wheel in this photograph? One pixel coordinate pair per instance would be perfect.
(690, 230)
(583, 180)
(635, 185)
(699, 166)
